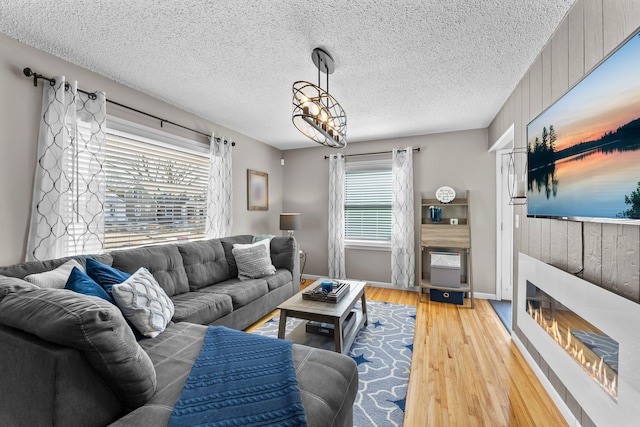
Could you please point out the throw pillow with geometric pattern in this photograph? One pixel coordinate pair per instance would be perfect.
(144, 303)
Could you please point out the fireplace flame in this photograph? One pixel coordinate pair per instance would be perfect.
(595, 367)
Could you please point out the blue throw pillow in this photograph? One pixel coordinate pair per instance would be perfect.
(104, 275)
(83, 284)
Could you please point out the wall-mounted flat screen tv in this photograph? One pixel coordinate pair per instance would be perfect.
(584, 150)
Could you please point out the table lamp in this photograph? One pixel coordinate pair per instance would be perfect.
(290, 222)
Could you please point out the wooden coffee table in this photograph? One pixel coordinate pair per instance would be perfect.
(326, 312)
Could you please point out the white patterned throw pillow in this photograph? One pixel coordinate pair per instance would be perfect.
(144, 303)
(56, 278)
(253, 260)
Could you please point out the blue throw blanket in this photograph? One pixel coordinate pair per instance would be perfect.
(240, 379)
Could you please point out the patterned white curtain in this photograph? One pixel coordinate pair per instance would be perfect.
(67, 214)
(220, 190)
(336, 217)
(402, 233)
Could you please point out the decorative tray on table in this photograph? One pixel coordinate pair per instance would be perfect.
(340, 289)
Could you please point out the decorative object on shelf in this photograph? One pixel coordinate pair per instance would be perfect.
(445, 194)
(435, 213)
(290, 222)
(257, 191)
(316, 113)
(517, 178)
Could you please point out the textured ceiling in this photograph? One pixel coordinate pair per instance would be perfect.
(403, 67)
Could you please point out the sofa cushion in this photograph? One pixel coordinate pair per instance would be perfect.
(227, 244)
(163, 261)
(173, 353)
(144, 303)
(328, 384)
(31, 267)
(328, 381)
(13, 285)
(204, 263)
(284, 252)
(48, 384)
(91, 325)
(253, 260)
(81, 283)
(201, 308)
(281, 278)
(105, 275)
(56, 278)
(241, 292)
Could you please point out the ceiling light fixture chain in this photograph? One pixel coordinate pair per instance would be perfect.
(316, 113)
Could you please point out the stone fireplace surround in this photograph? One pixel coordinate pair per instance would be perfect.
(581, 400)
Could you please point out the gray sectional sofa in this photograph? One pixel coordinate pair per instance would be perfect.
(81, 365)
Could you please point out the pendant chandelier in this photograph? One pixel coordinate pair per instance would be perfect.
(316, 113)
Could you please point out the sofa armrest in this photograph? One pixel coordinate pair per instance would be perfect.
(46, 384)
(285, 254)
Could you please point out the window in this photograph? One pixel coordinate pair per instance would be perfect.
(155, 192)
(368, 189)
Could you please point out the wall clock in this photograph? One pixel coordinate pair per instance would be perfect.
(445, 194)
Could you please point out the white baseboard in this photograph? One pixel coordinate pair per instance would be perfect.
(479, 295)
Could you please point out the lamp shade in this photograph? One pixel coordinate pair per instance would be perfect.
(290, 221)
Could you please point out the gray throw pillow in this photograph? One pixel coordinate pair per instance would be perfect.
(91, 325)
(253, 260)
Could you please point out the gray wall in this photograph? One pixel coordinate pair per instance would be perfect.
(19, 118)
(457, 159)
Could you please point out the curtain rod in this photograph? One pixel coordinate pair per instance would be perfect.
(29, 73)
(377, 152)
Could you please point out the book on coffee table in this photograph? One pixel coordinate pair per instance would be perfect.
(326, 329)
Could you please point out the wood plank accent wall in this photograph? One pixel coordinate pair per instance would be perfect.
(608, 255)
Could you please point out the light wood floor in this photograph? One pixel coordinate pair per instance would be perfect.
(466, 371)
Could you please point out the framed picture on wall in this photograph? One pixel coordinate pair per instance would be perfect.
(257, 191)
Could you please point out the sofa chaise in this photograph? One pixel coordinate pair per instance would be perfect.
(72, 359)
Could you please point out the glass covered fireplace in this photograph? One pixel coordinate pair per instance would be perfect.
(583, 342)
(593, 350)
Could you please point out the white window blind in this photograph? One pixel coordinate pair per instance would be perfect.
(368, 203)
(154, 193)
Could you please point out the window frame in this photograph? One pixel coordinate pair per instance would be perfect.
(377, 245)
(129, 130)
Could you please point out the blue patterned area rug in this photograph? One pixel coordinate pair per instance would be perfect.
(383, 353)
